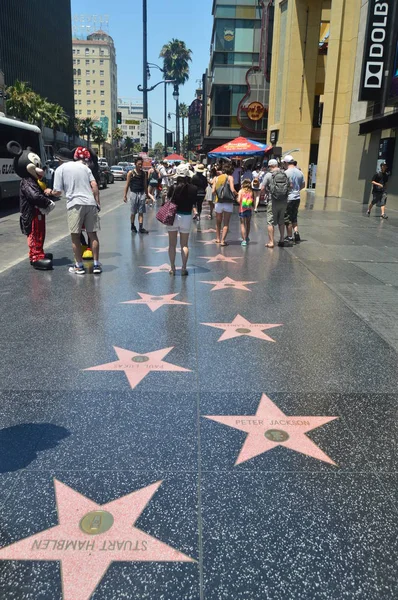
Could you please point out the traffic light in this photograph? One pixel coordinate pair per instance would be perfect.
(119, 118)
(169, 139)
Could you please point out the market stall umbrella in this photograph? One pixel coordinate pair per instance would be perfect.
(175, 158)
(240, 146)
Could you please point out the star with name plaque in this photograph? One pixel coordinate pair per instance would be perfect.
(270, 427)
(90, 536)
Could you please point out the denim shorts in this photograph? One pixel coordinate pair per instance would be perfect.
(246, 214)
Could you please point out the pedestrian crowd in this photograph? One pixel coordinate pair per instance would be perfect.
(184, 188)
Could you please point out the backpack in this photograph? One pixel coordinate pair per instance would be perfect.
(279, 186)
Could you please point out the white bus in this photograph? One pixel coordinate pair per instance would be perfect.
(24, 134)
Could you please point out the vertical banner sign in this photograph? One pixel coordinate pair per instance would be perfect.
(376, 49)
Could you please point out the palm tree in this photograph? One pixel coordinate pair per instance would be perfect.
(87, 125)
(176, 57)
(99, 138)
(183, 112)
(54, 117)
(117, 135)
(23, 103)
(129, 144)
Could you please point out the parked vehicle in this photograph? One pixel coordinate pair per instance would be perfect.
(103, 162)
(119, 173)
(108, 174)
(122, 164)
(103, 184)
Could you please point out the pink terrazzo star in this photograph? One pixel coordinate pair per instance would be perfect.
(165, 249)
(207, 242)
(165, 268)
(155, 302)
(207, 230)
(227, 284)
(241, 326)
(86, 553)
(221, 258)
(137, 366)
(270, 427)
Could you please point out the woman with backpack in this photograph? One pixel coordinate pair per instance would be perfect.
(184, 195)
(225, 194)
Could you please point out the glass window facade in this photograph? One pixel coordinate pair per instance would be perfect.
(236, 35)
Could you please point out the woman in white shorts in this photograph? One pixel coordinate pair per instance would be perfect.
(224, 209)
(183, 194)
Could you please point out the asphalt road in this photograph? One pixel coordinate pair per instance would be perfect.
(13, 246)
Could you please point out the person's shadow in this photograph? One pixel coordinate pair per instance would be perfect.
(20, 444)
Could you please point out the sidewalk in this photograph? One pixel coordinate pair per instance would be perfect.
(203, 438)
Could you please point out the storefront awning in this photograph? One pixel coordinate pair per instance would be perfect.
(389, 121)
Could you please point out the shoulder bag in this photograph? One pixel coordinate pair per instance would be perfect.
(167, 213)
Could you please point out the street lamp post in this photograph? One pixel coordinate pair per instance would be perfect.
(145, 58)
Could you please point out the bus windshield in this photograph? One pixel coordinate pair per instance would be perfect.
(25, 137)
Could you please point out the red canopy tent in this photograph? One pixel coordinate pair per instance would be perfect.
(175, 157)
(240, 146)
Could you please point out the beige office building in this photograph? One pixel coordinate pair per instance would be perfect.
(320, 107)
(95, 80)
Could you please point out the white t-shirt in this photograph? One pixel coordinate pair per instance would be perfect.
(74, 179)
(297, 183)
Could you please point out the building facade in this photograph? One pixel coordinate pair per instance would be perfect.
(318, 110)
(28, 52)
(237, 80)
(132, 111)
(95, 80)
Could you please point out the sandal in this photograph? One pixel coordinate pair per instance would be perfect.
(217, 241)
(224, 243)
(184, 273)
(172, 272)
(269, 245)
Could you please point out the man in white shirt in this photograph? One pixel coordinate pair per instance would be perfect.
(77, 182)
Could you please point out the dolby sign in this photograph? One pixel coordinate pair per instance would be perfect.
(376, 49)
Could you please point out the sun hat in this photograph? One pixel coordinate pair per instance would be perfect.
(182, 170)
(200, 168)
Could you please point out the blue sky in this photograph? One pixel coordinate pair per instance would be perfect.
(166, 19)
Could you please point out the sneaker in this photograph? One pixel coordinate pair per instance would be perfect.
(383, 217)
(297, 237)
(281, 244)
(244, 243)
(288, 239)
(142, 230)
(255, 210)
(77, 270)
(97, 270)
(133, 228)
(368, 213)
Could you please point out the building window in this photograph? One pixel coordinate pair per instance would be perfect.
(88, 102)
(93, 71)
(79, 92)
(94, 101)
(75, 92)
(78, 61)
(78, 51)
(102, 102)
(102, 93)
(95, 112)
(79, 72)
(101, 61)
(74, 61)
(88, 92)
(74, 71)
(93, 61)
(89, 112)
(102, 82)
(87, 62)
(92, 51)
(75, 100)
(80, 101)
(87, 72)
(94, 91)
(75, 82)
(87, 82)
(74, 51)
(102, 52)
(102, 73)
(87, 51)
(93, 81)
(103, 113)
(80, 112)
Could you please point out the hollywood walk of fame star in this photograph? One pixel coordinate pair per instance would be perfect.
(165, 249)
(207, 243)
(227, 284)
(221, 258)
(155, 302)
(162, 235)
(270, 427)
(241, 326)
(137, 366)
(90, 536)
(165, 268)
(207, 230)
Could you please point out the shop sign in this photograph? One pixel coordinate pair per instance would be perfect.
(376, 49)
(255, 111)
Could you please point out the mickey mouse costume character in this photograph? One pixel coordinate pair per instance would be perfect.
(33, 202)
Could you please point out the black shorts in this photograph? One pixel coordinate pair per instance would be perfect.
(292, 212)
(379, 198)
